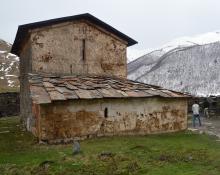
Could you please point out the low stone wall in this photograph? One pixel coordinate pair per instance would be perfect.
(9, 104)
(63, 121)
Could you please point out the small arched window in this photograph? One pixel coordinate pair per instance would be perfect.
(106, 112)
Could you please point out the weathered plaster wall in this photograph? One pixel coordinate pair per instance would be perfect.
(25, 67)
(87, 118)
(59, 49)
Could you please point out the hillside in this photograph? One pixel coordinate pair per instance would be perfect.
(143, 64)
(193, 69)
(8, 68)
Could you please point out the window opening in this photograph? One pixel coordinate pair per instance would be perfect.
(71, 68)
(84, 49)
(106, 112)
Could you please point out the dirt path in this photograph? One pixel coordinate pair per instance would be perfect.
(209, 126)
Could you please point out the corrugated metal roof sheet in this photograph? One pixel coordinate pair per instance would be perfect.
(46, 88)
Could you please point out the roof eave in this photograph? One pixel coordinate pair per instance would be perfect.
(23, 29)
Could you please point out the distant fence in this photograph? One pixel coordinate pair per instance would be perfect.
(9, 104)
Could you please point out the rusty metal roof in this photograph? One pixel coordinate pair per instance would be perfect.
(22, 32)
(47, 88)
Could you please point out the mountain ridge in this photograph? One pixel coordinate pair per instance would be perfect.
(9, 72)
(192, 69)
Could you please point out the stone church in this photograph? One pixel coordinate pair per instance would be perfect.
(73, 84)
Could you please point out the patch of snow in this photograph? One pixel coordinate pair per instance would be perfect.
(133, 54)
(200, 39)
(16, 58)
(3, 51)
(10, 83)
(7, 69)
(11, 64)
(11, 75)
(9, 44)
(185, 41)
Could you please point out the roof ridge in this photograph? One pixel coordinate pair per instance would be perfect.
(22, 32)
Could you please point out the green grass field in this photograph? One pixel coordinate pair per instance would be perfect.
(9, 89)
(181, 153)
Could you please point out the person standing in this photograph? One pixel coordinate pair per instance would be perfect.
(206, 108)
(195, 109)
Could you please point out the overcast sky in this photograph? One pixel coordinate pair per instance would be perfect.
(151, 22)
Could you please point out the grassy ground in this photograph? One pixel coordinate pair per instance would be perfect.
(167, 154)
(9, 89)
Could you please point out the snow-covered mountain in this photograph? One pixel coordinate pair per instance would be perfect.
(188, 64)
(8, 68)
(201, 39)
(143, 64)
